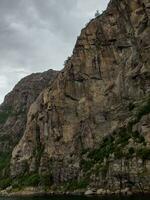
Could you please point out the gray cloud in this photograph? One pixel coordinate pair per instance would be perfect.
(36, 35)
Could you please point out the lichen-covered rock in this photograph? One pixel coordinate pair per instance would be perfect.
(91, 126)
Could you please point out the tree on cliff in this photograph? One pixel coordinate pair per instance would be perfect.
(97, 13)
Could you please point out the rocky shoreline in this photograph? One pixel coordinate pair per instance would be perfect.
(36, 191)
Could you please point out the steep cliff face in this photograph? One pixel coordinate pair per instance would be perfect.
(91, 126)
(13, 111)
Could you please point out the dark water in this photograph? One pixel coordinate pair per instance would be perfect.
(137, 197)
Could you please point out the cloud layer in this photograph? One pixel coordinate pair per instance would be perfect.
(36, 35)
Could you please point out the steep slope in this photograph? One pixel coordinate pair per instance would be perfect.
(13, 111)
(90, 128)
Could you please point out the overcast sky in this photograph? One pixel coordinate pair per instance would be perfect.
(36, 35)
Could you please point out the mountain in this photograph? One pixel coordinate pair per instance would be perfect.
(90, 128)
(13, 111)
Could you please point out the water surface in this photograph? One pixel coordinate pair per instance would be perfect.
(137, 197)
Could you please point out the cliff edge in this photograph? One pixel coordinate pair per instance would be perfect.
(90, 128)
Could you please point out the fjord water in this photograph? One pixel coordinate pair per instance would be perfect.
(137, 197)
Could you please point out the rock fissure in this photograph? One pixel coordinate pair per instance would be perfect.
(90, 128)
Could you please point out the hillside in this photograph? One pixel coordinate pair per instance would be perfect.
(14, 109)
(90, 128)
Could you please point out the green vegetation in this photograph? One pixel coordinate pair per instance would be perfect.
(4, 114)
(131, 106)
(143, 153)
(32, 180)
(87, 164)
(4, 183)
(143, 109)
(104, 170)
(97, 13)
(116, 145)
(75, 184)
(4, 138)
(118, 153)
(7, 111)
(35, 180)
(111, 145)
(105, 149)
(24, 181)
(4, 161)
(101, 168)
(138, 110)
(46, 180)
(123, 137)
(39, 147)
(138, 137)
(131, 151)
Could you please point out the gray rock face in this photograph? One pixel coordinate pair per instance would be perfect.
(90, 128)
(13, 111)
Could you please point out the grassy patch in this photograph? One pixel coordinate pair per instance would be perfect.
(4, 183)
(33, 180)
(46, 180)
(25, 181)
(74, 185)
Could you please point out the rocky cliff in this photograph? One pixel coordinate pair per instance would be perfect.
(13, 111)
(90, 128)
